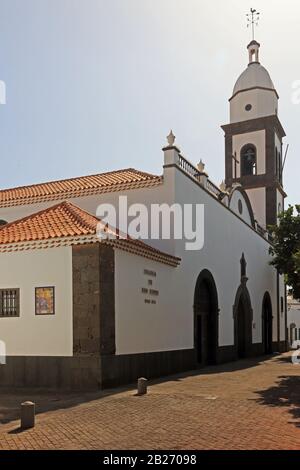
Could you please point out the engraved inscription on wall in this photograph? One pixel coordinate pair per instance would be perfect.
(150, 292)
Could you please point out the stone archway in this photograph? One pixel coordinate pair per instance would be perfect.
(267, 324)
(243, 316)
(206, 319)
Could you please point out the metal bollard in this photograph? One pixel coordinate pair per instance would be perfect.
(27, 415)
(142, 386)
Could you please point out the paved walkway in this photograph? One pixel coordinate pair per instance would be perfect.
(250, 404)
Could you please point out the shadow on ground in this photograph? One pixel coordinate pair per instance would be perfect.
(285, 359)
(46, 400)
(286, 393)
(51, 400)
(228, 367)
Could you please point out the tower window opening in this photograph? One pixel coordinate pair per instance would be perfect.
(280, 167)
(278, 164)
(248, 159)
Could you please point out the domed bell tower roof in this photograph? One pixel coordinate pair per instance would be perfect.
(255, 75)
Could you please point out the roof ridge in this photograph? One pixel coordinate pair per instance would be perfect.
(69, 205)
(79, 213)
(69, 220)
(73, 178)
(31, 216)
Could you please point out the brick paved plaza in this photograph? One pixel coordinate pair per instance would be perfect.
(251, 404)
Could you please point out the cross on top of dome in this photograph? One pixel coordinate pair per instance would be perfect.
(253, 19)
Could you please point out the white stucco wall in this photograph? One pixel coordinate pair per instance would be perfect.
(234, 206)
(169, 324)
(257, 198)
(141, 327)
(226, 238)
(38, 335)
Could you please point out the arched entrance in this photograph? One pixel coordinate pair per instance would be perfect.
(243, 314)
(206, 319)
(267, 326)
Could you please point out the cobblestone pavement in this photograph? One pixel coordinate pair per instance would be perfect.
(251, 404)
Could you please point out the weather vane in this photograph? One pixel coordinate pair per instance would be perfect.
(253, 19)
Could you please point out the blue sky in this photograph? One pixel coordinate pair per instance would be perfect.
(96, 85)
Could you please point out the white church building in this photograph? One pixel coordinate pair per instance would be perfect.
(81, 311)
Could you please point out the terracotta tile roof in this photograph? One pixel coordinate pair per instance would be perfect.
(67, 221)
(61, 220)
(76, 187)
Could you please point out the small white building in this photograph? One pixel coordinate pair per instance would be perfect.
(77, 310)
(293, 321)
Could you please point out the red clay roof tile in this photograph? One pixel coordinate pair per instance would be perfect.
(77, 187)
(67, 220)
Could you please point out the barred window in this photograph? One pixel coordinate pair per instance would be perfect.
(9, 302)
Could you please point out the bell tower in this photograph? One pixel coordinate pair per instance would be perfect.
(253, 140)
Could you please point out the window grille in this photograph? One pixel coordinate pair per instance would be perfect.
(9, 302)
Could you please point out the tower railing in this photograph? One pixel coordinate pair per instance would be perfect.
(191, 170)
(187, 166)
(206, 183)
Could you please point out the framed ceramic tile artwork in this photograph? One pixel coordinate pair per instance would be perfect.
(44, 300)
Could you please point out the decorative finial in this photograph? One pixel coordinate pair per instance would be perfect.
(201, 166)
(252, 20)
(171, 139)
(223, 187)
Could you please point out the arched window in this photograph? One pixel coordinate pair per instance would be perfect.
(248, 160)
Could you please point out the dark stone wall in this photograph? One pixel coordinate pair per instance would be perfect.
(93, 308)
(258, 349)
(75, 373)
(86, 299)
(230, 353)
(280, 346)
(107, 300)
(226, 354)
(124, 369)
(257, 124)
